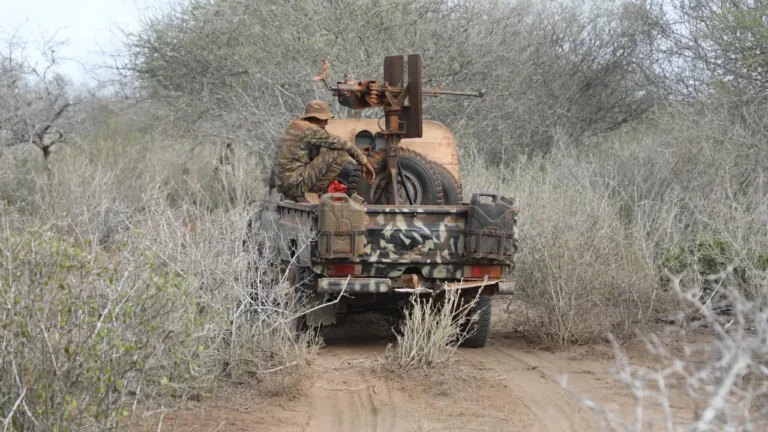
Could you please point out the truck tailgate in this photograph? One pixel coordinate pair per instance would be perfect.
(439, 242)
(419, 234)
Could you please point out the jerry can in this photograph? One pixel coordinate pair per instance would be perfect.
(341, 227)
(491, 230)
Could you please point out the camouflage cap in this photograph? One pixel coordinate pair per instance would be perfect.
(317, 109)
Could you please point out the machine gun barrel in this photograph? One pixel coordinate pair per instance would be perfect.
(346, 87)
(438, 92)
(357, 87)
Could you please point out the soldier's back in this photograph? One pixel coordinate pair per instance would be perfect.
(292, 153)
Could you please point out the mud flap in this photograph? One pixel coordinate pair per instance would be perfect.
(507, 288)
(323, 316)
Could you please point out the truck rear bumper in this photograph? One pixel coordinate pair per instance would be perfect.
(496, 286)
(354, 285)
(383, 285)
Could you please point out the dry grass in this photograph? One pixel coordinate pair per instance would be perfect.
(124, 278)
(715, 386)
(581, 271)
(683, 192)
(431, 332)
(135, 234)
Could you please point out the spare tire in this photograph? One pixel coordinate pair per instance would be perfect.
(421, 176)
(453, 193)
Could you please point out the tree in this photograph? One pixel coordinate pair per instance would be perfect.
(34, 98)
(555, 71)
(707, 47)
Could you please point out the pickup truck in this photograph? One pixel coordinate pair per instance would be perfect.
(359, 257)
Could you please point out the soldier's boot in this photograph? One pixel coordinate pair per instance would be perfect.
(349, 176)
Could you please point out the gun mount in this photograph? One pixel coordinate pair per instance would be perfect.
(401, 101)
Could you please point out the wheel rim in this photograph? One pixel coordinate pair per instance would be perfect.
(382, 189)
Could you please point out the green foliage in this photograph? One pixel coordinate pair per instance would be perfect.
(739, 35)
(709, 256)
(713, 256)
(83, 337)
(761, 262)
(676, 260)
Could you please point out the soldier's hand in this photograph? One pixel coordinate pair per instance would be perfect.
(369, 173)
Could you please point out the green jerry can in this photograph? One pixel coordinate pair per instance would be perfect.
(491, 230)
(341, 227)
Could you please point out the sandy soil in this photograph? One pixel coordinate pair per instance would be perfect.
(507, 386)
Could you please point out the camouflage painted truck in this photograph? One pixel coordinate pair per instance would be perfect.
(419, 237)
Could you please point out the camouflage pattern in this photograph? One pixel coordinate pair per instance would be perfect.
(309, 158)
(411, 235)
(431, 239)
(353, 285)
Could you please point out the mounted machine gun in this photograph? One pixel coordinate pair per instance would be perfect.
(402, 103)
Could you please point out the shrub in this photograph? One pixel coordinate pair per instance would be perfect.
(121, 295)
(84, 339)
(683, 190)
(567, 71)
(431, 331)
(712, 255)
(707, 256)
(581, 272)
(724, 377)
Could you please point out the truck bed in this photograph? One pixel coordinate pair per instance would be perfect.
(433, 241)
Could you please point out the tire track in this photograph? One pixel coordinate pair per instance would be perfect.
(502, 387)
(354, 401)
(535, 383)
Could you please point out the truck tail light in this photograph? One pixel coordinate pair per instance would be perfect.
(341, 269)
(480, 272)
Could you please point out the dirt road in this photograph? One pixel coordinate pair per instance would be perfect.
(507, 386)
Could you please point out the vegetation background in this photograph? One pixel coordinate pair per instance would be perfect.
(632, 133)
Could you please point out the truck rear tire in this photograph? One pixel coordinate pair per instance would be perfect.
(478, 330)
(297, 277)
(420, 172)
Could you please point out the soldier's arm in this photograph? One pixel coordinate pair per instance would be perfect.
(318, 137)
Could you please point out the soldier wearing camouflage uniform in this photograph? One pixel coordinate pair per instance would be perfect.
(309, 158)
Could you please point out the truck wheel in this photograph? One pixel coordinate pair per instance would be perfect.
(421, 176)
(478, 330)
(453, 193)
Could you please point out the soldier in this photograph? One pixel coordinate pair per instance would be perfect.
(309, 158)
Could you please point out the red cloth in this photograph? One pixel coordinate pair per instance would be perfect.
(337, 187)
